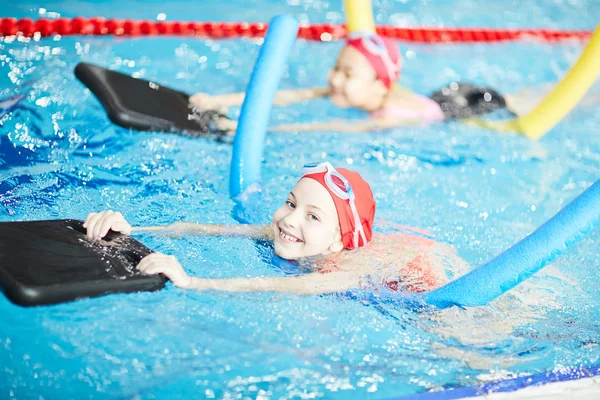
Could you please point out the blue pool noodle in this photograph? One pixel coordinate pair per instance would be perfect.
(525, 258)
(260, 93)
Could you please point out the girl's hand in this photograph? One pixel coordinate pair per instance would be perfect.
(205, 101)
(158, 263)
(98, 224)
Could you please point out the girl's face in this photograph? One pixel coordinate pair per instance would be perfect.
(353, 83)
(307, 223)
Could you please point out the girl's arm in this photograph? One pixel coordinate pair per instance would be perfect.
(287, 97)
(402, 90)
(181, 228)
(350, 126)
(98, 225)
(315, 283)
(526, 100)
(282, 98)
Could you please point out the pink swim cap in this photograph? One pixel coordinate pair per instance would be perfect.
(382, 53)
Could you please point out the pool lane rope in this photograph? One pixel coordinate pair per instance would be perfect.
(475, 288)
(98, 26)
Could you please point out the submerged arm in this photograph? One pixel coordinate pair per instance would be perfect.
(526, 100)
(350, 126)
(314, 283)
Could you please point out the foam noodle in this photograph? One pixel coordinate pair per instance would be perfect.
(560, 101)
(260, 93)
(525, 258)
(359, 16)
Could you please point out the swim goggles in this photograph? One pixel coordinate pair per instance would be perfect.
(338, 185)
(374, 44)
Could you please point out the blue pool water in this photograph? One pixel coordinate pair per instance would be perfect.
(479, 191)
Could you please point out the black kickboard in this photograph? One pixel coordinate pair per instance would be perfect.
(143, 105)
(49, 262)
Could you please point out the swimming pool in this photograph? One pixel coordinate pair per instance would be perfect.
(474, 189)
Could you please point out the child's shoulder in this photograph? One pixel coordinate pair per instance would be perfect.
(411, 261)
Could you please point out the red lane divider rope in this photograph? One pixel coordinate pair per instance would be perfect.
(321, 32)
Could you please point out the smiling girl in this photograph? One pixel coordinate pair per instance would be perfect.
(326, 221)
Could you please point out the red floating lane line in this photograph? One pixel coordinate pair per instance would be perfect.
(99, 26)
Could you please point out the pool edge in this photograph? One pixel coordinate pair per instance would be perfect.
(508, 385)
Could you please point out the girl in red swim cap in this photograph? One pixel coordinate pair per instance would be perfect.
(365, 77)
(326, 222)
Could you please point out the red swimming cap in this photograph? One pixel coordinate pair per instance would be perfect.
(363, 199)
(382, 53)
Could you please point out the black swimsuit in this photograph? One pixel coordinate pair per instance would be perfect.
(463, 100)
